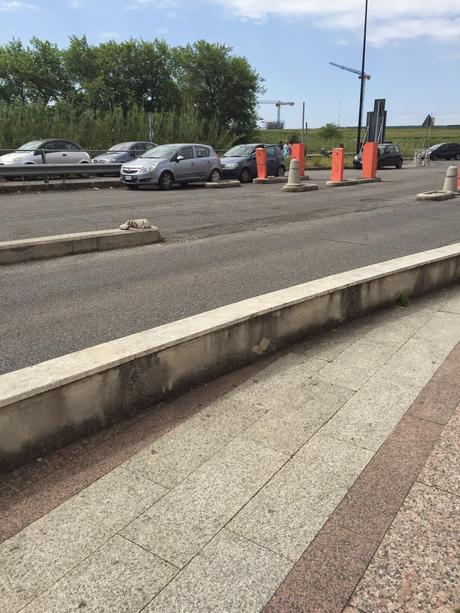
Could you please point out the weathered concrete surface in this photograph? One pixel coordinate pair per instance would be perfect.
(13, 252)
(48, 405)
(347, 182)
(436, 195)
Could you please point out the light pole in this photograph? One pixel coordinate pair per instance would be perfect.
(362, 77)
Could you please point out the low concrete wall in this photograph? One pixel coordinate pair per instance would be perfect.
(14, 252)
(53, 403)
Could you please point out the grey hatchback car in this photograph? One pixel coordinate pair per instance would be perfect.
(166, 165)
(239, 162)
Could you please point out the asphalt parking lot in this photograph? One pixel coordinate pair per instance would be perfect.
(221, 246)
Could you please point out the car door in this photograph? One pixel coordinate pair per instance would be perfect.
(272, 160)
(53, 152)
(185, 169)
(73, 154)
(203, 162)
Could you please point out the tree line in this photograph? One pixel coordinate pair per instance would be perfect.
(201, 88)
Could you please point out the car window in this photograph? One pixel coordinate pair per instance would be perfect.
(71, 146)
(52, 145)
(271, 151)
(202, 152)
(186, 152)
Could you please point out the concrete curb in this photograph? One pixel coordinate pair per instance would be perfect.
(46, 406)
(300, 187)
(347, 182)
(223, 184)
(274, 180)
(437, 195)
(45, 247)
(57, 187)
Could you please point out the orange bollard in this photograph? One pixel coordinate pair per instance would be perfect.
(298, 153)
(338, 160)
(261, 161)
(370, 153)
(458, 178)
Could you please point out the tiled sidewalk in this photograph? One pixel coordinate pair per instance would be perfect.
(277, 493)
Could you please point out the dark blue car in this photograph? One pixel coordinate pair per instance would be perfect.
(240, 162)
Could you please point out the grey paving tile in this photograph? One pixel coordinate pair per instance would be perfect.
(356, 364)
(453, 306)
(369, 417)
(187, 518)
(117, 578)
(35, 558)
(287, 429)
(176, 455)
(398, 331)
(231, 575)
(44, 551)
(280, 385)
(291, 509)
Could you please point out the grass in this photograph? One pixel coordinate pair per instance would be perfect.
(409, 139)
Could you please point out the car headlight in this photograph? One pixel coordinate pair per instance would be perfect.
(149, 168)
(230, 166)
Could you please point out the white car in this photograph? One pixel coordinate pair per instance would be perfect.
(47, 151)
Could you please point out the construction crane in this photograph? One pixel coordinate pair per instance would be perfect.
(363, 77)
(354, 70)
(278, 104)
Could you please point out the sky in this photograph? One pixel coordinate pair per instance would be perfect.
(413, 52)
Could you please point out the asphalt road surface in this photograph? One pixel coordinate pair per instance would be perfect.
(221, 246)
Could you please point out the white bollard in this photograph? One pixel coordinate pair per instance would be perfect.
(450, 182)
(294, 184)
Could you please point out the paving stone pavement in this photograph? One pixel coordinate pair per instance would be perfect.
(328, 480)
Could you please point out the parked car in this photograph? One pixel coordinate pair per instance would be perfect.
(239, 162)
(176, 163)
(48, 151)
(389, 154)
(123, 152)
(444, 151)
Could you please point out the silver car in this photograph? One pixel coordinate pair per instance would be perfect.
(169, 164)
(48, 151)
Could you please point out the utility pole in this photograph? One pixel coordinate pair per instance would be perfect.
(362, 77)
(303, 123)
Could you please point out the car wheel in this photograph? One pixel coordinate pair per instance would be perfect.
(399, 164)
(433, 158)
(280, 172)
(166, 180)
(215, 176)
(84, 175)
(132, 186)
(245, 175)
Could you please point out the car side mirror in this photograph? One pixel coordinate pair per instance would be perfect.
(253, 156)
(38, 152)
(179, 158)
(133, 154)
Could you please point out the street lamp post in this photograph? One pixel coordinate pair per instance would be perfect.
(362, 77)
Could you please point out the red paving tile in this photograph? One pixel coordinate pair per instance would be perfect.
(328, 572)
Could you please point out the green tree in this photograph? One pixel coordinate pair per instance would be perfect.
(330, 134)
(223, 88)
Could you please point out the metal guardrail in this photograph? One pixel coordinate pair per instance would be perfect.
(56, 170)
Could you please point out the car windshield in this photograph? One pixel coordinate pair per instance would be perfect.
(120, 147)
(162, 152)
(433, 147)
(34, 144)
(240, 151)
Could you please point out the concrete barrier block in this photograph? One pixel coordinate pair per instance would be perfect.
(436, 195)
(51, 404)
(14, 252)
(223, 184)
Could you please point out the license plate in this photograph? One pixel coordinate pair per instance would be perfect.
(128, 178)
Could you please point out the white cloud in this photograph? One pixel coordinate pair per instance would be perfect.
(12, 6)
(389, 20)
